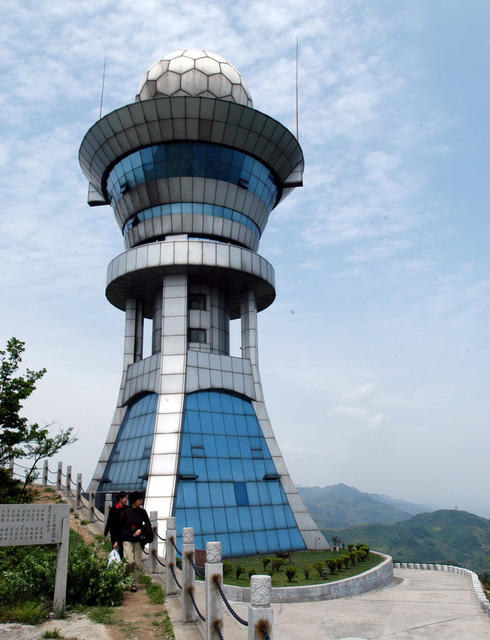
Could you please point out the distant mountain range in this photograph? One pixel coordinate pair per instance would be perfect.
(408, 532)
(443, 537)
(341, 506)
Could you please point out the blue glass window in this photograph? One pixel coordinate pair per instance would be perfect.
(129, 462)
(188, 208)
(195, 159)
(231, 500)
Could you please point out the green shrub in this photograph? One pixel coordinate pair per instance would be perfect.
(290, 573)
(155, 593)
(318, 566)
(102, 615)
(227, 567)
(332, 565)
(55, 634)
(277, 563)
(252, 572)
(339, 562)
(90, 580)
(306, 571)
(265, 562)
(25, 613)
(239, 569)
(350, 546)
(346, 560)
(353, 557)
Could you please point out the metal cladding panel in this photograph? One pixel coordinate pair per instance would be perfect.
(136, 277)
(256, 134)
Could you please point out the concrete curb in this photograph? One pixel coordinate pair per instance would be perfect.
(375, 578)
(478, 589)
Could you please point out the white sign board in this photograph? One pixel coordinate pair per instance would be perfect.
(24, 524)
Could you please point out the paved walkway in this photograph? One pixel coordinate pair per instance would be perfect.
(424, 604)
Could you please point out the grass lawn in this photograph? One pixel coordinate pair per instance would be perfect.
(299, 560)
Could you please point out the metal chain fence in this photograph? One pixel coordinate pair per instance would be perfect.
(175, 577)
(227, 604)
(191, 593)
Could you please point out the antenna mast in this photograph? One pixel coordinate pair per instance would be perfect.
(297, 93)
(102, 91)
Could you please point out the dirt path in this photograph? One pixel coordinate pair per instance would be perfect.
(139, 619)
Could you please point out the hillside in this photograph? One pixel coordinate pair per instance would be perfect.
(341, 506)
(445, 537)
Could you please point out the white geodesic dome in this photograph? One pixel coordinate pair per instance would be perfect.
(194, 72)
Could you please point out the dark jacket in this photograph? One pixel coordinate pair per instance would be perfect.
(132, 519)
(113, 523)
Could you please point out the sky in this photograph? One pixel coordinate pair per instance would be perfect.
(375, 355)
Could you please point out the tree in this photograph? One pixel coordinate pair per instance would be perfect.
(18, 437)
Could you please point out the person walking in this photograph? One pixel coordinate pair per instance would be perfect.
(113, 524)
(136, 531)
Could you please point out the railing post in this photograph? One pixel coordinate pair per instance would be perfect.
(260, 612)
(171, 587)
(188, 575)
(91, 505)
(79, 490)
(45, 473)
(214, 604)
(107, 506)
(68, 480)
(153, 550)
(59, 477)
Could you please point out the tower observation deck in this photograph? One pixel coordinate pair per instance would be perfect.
(192, 172)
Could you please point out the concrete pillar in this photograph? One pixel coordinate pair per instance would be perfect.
(91, 506)
(157, 323)
(153, 550)
(68, 480)
(79, 490)
(45, 473)
(188, 576)
(59, 477)
(129, 333)
(250, 347)
(59, 598)
(214, 603)
(138, 338)
(171, 587)
(107, 506)
(260, 614)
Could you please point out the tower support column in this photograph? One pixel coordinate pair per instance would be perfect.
(250, 350)
(164, 459)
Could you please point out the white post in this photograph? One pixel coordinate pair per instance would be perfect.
(107, 506)
(62, 565)
(214, 604)
(171, 587)
(68, 480)
(45, 473)
(91, 505)
(79, 490)
(260, 612)
(153, 547)
(59, 478)
(188, 576)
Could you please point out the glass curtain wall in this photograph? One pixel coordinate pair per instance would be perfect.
(227, 487)
(128, 464)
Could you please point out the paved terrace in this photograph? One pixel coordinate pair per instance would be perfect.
(423, 604)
